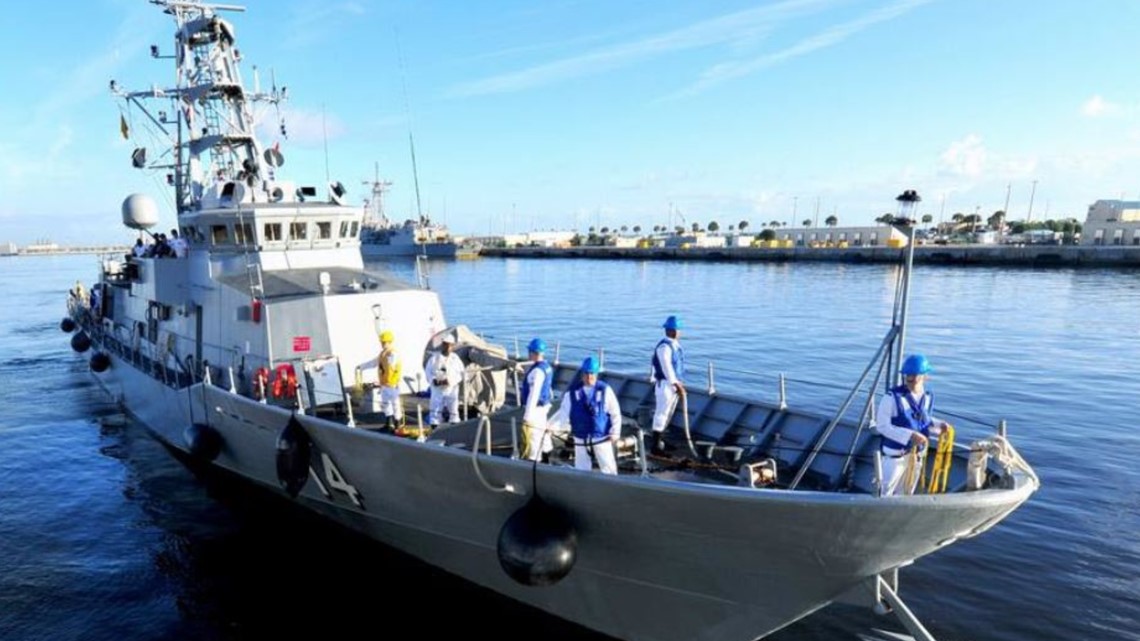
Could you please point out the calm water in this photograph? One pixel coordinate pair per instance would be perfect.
(104, 536)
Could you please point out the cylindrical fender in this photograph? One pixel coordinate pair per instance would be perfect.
(294, 452)
(67, 325)
(100, 362)
(80, 341)
(202, 441)
(538, 544)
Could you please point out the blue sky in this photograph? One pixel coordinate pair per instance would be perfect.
(561, 114)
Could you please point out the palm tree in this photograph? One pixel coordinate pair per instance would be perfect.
(831, 221)
(742, 225)
(927, 219)
(774, 223)
(714, 226)
(972, 220)
(637, 229)
(696, 227)
(732, 228)
(679, 229)
(885, 219)
(605, 230)
(591, 230)
(807, 222)
(624, 229)
(957, 217)
(997, 220)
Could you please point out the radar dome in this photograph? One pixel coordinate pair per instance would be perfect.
(140, 212)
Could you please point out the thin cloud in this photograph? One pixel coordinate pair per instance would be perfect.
(315, 22)
(1097, 106)
(733, 28)
(966, 157)
(833, 36)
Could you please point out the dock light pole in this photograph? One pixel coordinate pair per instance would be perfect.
(905, 223)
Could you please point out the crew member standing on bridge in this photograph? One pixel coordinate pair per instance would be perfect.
(904, 422)
(591, 410)
(536, 397)
(668, 378)
(389, 369)
(445, 371)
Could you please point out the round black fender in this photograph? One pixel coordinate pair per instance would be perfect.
(100, 362)
(67, 325)
(202, 441)
(294, 452)
(538, 544)
(80, 341)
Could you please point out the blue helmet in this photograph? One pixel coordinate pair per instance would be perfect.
(591, 365)
(536, 345)
(916, 364)
(673, 322)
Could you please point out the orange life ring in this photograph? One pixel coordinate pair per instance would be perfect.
(285, 382)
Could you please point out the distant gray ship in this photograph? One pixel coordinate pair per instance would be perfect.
(380, 237)
(253, 357)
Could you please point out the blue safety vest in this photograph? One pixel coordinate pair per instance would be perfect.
(588, 417)
(678, 361)
(544, 393)
(914, 414)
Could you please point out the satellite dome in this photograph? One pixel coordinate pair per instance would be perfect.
(140, 212)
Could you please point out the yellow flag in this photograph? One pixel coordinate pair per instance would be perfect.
(123, 127)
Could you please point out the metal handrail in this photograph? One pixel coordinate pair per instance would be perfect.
(507, 487)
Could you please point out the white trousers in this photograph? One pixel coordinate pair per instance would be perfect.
(894, 471)
(390, 402)
(535, 432)
(666, 403)
(442, 398)
(603, 453)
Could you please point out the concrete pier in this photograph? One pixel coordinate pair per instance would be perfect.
(1025, 256)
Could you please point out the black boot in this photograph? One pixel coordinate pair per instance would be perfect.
(659, 442)
(389, 424)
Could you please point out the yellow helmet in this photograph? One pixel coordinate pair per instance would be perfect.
(386, 336)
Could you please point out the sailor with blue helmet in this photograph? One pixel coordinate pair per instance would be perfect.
(536, 398)
(668, 377)
(591, 410)
(904, 421)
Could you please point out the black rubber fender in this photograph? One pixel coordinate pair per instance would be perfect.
(67, 325)
(100, 362)
(203, 441)
(80, 341)
(294, 454)
(538, 544)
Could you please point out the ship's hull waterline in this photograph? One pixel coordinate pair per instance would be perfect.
(656, 560)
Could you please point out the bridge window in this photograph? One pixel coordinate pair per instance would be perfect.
(219, 234)
(298, 231)
(243, 233)
(355, 229)
(272, 232)
(324, 230)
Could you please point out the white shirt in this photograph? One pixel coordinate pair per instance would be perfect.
(561, 420)
(179, 246)
(664, 353)
(449, 368)
(533, 414)
(887, 410)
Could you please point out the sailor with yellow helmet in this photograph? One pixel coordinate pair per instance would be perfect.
(389, 369)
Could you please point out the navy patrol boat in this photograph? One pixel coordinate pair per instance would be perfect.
(255, 354)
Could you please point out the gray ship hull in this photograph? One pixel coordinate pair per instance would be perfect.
(656, 561)
(431, 250)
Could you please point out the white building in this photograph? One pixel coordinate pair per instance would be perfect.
(881, 235)
(1112, 222)
(9, 249)
(539, 239)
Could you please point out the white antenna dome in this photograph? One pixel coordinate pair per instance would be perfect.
(140, 212)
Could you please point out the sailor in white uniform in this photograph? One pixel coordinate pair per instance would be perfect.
(444, 371)
(536, 397)
(904, 421)
(591, 411)
(668, 377)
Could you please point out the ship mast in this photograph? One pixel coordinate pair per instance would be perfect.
(214, 139)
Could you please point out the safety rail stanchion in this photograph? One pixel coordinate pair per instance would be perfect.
(783, 394)
(233, 389)
(602, 358)
(557, 352)
(463, 395)
(420, 418)
(486, 421)
(712, 380)
(518, 390)
(518, 354)
(1001, 428)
